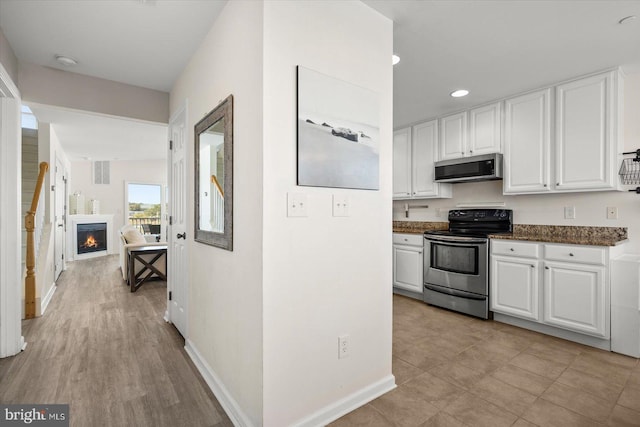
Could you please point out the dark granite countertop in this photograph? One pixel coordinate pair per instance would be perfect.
(418, 227)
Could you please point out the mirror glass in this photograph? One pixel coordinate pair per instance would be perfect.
(214, 152)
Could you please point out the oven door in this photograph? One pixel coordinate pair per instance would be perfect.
(457, 262)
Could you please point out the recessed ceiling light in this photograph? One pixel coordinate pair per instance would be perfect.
(627, 19)
(459, 93)
(66, 60)
(395, 59)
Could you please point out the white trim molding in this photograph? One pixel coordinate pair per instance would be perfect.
(228, 403)
(11, 341)
(44, 303)
(343, 406)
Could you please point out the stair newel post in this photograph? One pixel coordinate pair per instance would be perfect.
(29, 223)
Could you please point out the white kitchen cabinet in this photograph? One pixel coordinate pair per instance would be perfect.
(402, 164)
(576, 297)
(527, 143)
(485, 134)
(515, 286)
(408, 262)
(583, 152)
(453, 136)
(414, 152)
(586, 133)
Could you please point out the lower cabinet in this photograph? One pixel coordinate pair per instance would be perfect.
(576, 297)
(407, 262)
(514, 286)
(571, 294)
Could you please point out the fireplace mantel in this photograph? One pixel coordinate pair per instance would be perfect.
(72, 240)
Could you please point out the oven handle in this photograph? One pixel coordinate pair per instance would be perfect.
(455, 239)
(454, 292)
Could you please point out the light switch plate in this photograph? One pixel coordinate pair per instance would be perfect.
(341, 204)
(569, 212)
(612, 212)
(296, 204)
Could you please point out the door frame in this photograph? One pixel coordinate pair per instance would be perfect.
(182, 109)
(65, 194)
(11, 339)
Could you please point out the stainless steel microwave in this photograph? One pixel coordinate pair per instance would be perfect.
(485, 167)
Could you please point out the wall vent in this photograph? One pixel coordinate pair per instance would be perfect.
(101, 172)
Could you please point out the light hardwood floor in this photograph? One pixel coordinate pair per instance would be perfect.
(109, 354)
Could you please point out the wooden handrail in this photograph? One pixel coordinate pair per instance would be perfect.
(214, 179)
(30, 225)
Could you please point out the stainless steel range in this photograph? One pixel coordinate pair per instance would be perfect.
(456, 262)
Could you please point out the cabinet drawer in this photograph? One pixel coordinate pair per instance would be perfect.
(515, 248)
(408, 239)
(575, 253)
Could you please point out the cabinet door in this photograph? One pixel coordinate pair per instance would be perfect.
(484, 130)
(576, 298)
(402, 164)
(514, 287)
(453, 136)
(584, 133)
(527, 143)
(407, 268)
(424, 150)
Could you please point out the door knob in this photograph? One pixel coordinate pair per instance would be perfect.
(182, 236)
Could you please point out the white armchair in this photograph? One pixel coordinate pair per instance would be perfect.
(130, 237)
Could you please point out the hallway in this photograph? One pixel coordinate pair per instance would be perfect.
(110, 355)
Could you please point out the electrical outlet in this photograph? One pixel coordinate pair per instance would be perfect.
(569, 212)
(343, 346)
(296, 204)
(340, 205)
(612, 212)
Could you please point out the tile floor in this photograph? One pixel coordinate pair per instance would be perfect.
(455, 370)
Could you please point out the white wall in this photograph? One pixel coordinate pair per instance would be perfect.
(324, 276)
(112, 196)
(225, 288)
(549, 209)
(8, 58)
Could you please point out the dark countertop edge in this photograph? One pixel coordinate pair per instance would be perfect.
(559, 240)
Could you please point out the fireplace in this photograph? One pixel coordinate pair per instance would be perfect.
(91, 237)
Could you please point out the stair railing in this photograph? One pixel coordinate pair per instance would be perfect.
(30, 225)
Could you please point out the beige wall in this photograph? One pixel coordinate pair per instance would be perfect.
(8, 58)
(49, 86)
(549, 209)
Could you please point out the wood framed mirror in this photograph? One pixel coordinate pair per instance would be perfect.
(214, 177)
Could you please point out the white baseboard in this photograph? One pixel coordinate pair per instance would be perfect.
(47, 299)
(166, 316)
(343, 406)
(228, 403)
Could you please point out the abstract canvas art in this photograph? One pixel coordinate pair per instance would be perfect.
(338, 133)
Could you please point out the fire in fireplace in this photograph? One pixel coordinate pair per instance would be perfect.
(92, 237)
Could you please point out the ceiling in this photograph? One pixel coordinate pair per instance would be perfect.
(87, 136)
(500, 48)
(492, 48)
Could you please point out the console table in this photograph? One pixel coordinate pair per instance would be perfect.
(148, 257)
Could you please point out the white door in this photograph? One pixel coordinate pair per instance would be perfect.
(177, 253)
(453, 136)
(407, 268)
(60, 219)
(402, 164)
(514, 286)
(576, 298)
(584, 126)
(484, 129)
(527, 143)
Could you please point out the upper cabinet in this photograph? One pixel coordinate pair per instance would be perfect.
(414, 151)
(527, 143)
(471, 133)
(581, 155)
(586, 134)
